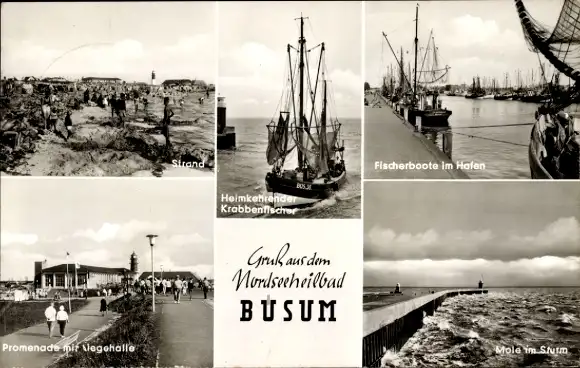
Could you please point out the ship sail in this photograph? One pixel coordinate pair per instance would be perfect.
(431, 71)
(307, 124)
(277, 140)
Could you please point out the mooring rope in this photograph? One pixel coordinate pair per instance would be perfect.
(492, 139)
(491, 126)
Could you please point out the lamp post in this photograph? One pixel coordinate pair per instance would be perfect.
(152, 243)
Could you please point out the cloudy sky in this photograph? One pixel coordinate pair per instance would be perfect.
(474, 37)
(124, 40)
(252, 52)
(450, 233)
(101, 222)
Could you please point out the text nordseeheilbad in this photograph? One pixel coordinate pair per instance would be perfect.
(314, 280)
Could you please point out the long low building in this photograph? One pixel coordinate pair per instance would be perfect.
(101, 80)
(56, 277)
(168, 275)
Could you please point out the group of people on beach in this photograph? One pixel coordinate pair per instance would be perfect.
(53, 317)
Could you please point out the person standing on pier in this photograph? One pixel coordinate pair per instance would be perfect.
(398, 289)
(62, 319)
(480, 284)
(50, 314)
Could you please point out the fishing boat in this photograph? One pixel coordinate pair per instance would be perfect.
(554, 149)
(305, 125)
(425, 103)
(476, 91)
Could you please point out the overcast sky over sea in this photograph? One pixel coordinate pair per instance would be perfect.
(125, 40)
(451, 233)
(101, 222)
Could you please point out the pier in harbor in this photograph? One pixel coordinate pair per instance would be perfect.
(389, 138)
(391, 326)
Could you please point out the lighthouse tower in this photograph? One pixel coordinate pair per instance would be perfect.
(134, 265)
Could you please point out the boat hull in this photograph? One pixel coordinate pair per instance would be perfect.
(535, 149)
(435, 118)
(430, 118)
(298, 188)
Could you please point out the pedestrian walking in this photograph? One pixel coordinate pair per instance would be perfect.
(178, 288)
(62, 319)
(191, 286)
(50, 314)
(205, 286)
(103, 309)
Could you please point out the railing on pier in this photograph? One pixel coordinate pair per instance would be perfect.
(391, 326)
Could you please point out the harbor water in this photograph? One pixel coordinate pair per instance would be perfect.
(508, 327)
(242, 171)
(503, 150)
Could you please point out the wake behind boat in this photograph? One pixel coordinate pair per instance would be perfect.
(305, 126)
(554, 149)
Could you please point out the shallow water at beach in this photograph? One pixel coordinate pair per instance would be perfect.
(243, 170)
(480, 330)
(193, 123)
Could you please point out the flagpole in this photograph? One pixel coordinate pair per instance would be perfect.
(68, 284)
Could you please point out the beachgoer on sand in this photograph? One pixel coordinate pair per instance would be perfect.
(113, 102)
(68, 124)
(50, 314)
(62, 319)
(121, 108)
(45, 106)
(167, 115)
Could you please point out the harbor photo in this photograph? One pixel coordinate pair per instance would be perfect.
(121, 274)
(472, 90)
(471, 273)
(289, 110)
(87, 91)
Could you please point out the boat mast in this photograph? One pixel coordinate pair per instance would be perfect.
(416, 49)
(301, 98)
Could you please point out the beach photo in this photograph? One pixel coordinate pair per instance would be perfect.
(460, 273)
(88, 89)
(472, 90)
(289, 109)
(116, 273)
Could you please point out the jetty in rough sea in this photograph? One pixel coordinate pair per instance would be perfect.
(388, 138)
(391, 326)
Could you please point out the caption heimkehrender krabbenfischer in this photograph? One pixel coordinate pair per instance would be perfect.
(458, 165)
(245, 279)
(256, 204)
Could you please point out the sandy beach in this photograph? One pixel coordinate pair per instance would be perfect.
(98, 147)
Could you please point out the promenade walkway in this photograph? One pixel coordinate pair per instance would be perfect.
(387, 138)
(186, 331)
(84, 321)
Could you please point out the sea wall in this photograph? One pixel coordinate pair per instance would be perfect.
(391, 326)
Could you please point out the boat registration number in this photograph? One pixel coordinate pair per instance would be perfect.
(304, 186)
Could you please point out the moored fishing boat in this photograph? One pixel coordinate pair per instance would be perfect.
(554, 149)
(306, 125)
